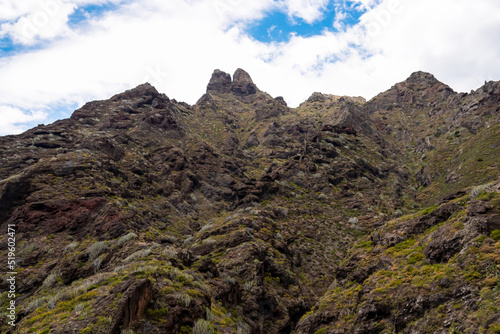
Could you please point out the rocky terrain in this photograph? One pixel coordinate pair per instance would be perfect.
(142, 214)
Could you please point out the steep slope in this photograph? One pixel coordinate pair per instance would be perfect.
(445, 137)
(239, 214)
(436, 271)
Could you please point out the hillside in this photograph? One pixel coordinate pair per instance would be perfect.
(239, 214)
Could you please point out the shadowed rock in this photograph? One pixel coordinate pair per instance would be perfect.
(243, 84)
(132, 305)
(219, 83)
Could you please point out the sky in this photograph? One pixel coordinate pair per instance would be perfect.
(55, 55)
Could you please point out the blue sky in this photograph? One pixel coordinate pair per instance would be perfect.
(55, 55)
(94, 11)
(78, 19)
(278, 26)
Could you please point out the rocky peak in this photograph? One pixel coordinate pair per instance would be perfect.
(420, 81)
(420, 76)
(316, 97)
(241, 85)
(242, 77)
(491, 88)
(219, 83)
(141, 91)
(421, 90)
(143, 107)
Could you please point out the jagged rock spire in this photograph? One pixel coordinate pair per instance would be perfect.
(219, 83)
(241, 85)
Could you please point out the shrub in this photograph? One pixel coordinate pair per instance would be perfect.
(145, 269)
(247, 286)
(171, 238)
(398, 213)
(170, 252)
(209, 241)
(476, 191)
(82, 287)
(229, 280)
(184, 277)
(126, 238)
(97, 264)
(52, 303)
(79, 307)
(70, 247)
(203, 327)
(96, 249)
(29, 249)
(188, 240)
(36, 303)
(128, 331)
(156, 314)
(415, 257)
(184, 299)
(51, 279)
(206, 228)
(429, 210)
(210, 315)
(495, 235)
(138, 254)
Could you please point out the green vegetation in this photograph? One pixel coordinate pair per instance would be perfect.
(495, 235)
(202, 326)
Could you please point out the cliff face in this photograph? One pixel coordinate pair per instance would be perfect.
(241, 215)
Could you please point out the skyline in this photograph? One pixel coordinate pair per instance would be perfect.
(55, 55)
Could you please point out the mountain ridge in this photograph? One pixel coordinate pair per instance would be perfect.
(239, 214)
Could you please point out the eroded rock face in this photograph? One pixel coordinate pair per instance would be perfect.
(132, 305)
(415, 226)
(455, 241)
(220, 83)
(243, 84)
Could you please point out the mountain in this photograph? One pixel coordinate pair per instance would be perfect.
(239, 214)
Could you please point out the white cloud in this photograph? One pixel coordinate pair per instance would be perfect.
(14, 120)
(28, 21)
(456, 40)
(308, 10)
(14, 9)
(175, 45)
(44, 23)
(229, 11)
(366, 4)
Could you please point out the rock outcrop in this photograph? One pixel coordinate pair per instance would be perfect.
(220, 83)
(241, 86)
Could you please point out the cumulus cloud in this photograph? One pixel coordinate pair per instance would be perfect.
(308, 10)
(28, 21)
(14, 120)
(175, 45)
